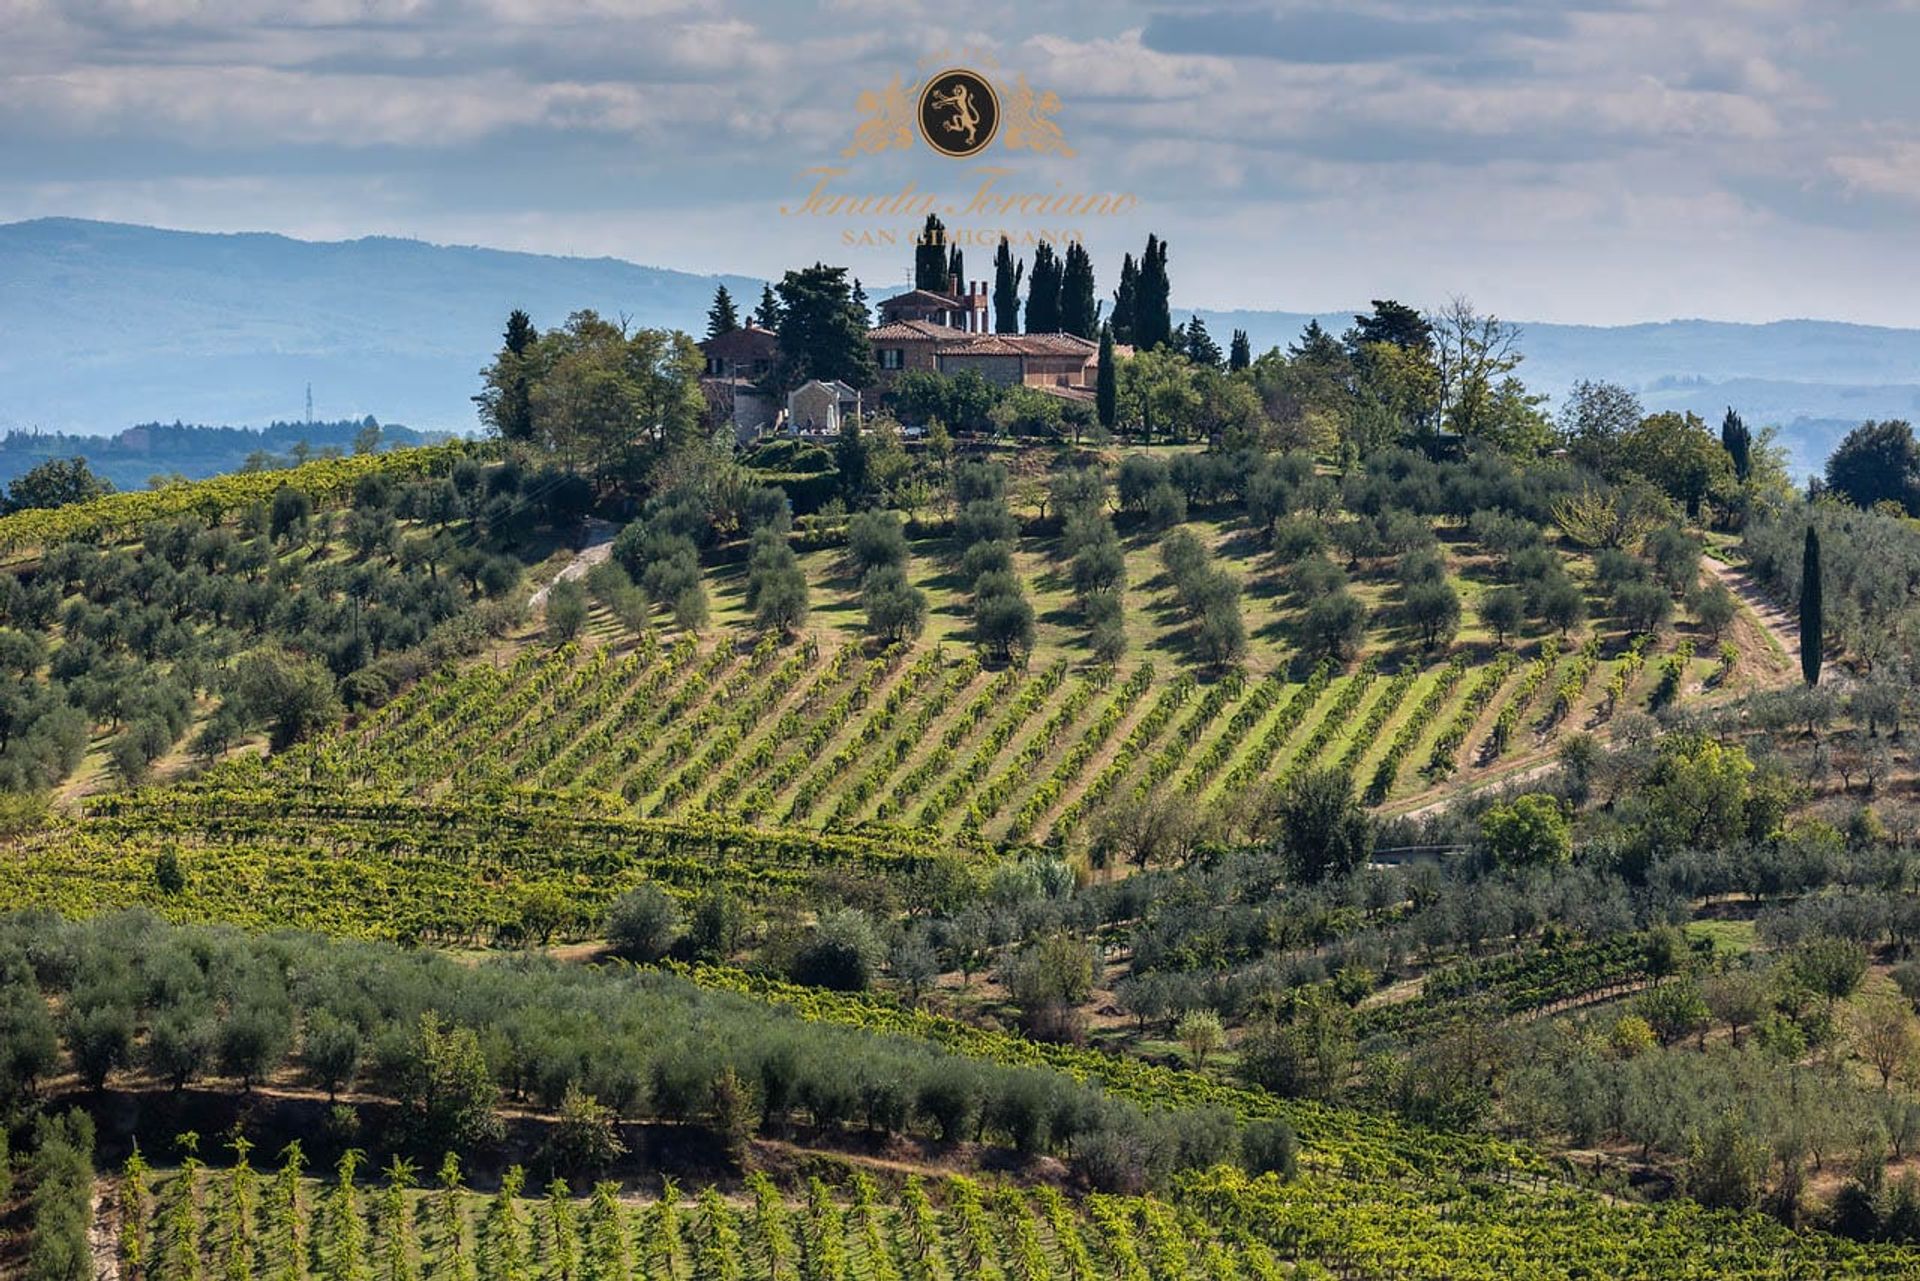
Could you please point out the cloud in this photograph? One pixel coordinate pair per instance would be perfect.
(1892, 169)
(1465, 134)
(1334, 35)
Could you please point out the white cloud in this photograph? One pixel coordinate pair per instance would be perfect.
(1892, 169)
(1694, 138)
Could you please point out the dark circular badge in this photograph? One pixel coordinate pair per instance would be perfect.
(959, 113)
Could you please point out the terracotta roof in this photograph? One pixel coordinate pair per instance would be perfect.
(913, 331)
(1065, 393)
(746, 340)
(924, 297)
(1019, 345)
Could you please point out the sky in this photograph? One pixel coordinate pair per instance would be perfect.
(1582, 161)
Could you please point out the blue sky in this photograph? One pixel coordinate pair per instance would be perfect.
(1595, 161)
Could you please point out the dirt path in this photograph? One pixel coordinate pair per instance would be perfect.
(599, 546)
(1519, 773)
(103, 1230)
(1779, 623)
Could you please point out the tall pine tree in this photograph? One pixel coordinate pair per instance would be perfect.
(1391, 322)
(1106, 383)
(723, 317)
(506, 404)
(1079, 313)
(930, 256)
(1812, 625)
(1006, 289)
(767, 314)
(1124, 299)
(1043, 292)
(1240, 351)
(1200, 347)
(520, 332)
(860, 307)
(822, 335)
(1738, 442)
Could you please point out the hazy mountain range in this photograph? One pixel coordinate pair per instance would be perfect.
(107, 325)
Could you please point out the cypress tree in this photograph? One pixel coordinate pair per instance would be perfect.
(1812, 626)
(1106, 387)
(1043, 292)
(1152, 317)
(930, 256)
(1738, 442)
(1125, 298)
(722, 318)
(515, 408)
(1006, 289)
(1240, 351)
(957, 269)
(1079, 314)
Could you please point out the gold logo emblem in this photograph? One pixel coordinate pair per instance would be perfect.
(959, 113)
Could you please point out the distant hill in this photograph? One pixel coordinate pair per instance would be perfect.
(108, 324)
(130, 458)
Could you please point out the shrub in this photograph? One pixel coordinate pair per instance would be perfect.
(1139, 477)
(842, 954)
(1270, 1147)
(1315, 576)
(1112, 1160)
(586, 1134)
(1202, 1035)
(991, 557)
(896, 609)
(62, 1173)
(643, 924)
(1002, 616)
(1528, 831)
(1166, 507)
(1715, 607)
(446, 1094)
(1642, 606)
(1334, 626)
(950, 1097)
(984, 521)
(1434, 608)
(566, 611)
(876, 538)
(1501, 611)
(1323, 829)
